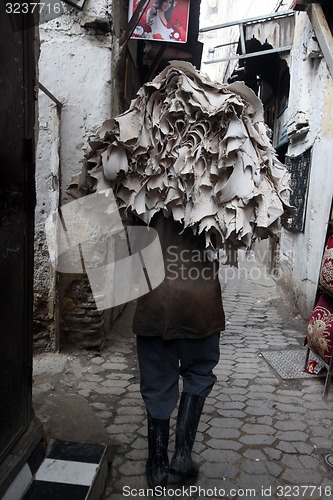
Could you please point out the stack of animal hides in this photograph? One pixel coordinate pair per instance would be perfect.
(194, 149)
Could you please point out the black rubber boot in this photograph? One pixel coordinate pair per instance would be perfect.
(189, 413)
(157, 466)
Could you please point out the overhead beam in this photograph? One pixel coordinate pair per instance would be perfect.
(246, 56)
(323, 33)
(249, 20)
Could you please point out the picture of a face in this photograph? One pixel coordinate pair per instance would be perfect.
(166, 5)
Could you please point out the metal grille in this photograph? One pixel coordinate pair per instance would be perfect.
(289, 364)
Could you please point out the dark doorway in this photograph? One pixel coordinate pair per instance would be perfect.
(17, 115)
(268, 76)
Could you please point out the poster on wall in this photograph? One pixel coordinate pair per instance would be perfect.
(162, 20)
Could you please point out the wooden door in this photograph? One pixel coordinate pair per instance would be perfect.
(17, 69)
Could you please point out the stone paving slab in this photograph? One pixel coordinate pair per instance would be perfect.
(260, 436)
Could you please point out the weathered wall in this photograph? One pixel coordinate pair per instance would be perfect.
(47, 198)
(312, 93)
(76, 65)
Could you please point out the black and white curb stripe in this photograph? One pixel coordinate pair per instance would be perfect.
(68, 471)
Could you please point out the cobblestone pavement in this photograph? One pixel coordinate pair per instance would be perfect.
(261, 436)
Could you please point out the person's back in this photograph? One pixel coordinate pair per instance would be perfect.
(188, 303)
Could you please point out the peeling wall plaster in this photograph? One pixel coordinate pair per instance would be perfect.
(76, 66)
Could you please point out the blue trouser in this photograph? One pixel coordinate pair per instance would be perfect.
(161, 362)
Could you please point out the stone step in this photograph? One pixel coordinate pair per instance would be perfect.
(70, 471)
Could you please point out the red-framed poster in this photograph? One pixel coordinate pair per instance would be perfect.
(163, 20)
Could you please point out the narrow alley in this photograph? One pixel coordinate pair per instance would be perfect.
(146, 136)
(261, 435)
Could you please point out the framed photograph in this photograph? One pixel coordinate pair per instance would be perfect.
(162, 20)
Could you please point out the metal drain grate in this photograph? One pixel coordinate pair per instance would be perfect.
(289, 364)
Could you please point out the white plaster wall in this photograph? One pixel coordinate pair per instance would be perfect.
(75, 65)
(311, 92)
